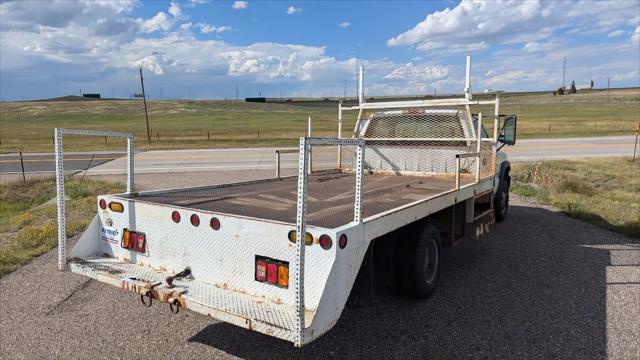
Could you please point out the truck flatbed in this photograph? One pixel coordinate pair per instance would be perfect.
(330, 202)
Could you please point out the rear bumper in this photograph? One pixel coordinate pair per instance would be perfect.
(247, 311)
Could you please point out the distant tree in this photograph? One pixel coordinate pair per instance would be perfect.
(573, 87)
(591, 84)
(561, 90)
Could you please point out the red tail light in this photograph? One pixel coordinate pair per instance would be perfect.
(215, 224)
(175, 216)
(133, 240)
(195, 220)
(342, 242)
(325, 241)
(261, 271)
(272, 273)
(140, 246)
(103, 204)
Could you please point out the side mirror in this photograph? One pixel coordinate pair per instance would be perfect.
(508, 132)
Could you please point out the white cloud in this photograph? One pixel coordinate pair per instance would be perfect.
(293, 10)
(616, 33)
(208, 28)
(475, 22)
(409, 71)
(535, 46)
(159, 22)
(94, 44)
(631, 75)
(176, 11)
(506, 78)
(635, 38)
(240, 5)
(344, 24)
(198, 1)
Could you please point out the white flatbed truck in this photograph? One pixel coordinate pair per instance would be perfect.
(281, 256)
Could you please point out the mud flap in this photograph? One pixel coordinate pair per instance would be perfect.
(484, 223)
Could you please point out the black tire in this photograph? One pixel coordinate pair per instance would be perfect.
(427, 262)
(501, 200)
(419, 269)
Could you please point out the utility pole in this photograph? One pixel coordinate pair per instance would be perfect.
(564, 67)
(345, 90)
(357, 69)
(146, 116)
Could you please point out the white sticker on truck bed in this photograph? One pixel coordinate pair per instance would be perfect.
(110, 235)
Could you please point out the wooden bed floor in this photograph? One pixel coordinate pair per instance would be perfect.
(329, 203)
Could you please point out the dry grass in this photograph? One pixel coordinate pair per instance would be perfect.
(185, 124)
(605, 192)
(28, 225)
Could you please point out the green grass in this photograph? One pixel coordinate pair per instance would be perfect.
(184, 124)
(28, 225)
(605, 192)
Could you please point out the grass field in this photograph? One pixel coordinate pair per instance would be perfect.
(28, 225)
(214, 124)
(605, 192)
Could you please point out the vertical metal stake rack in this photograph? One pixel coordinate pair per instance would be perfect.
(62, 235)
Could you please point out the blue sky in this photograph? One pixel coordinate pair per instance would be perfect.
(203, 48)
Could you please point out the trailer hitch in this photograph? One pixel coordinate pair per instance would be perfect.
(146, 293)
(184, 273)
(174, 305)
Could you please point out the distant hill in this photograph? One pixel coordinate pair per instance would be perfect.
(69, 98)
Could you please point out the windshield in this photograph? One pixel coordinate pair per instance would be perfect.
(475, 126)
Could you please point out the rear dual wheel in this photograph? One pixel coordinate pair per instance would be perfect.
(421, 268)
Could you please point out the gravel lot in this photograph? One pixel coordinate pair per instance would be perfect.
(542, 286)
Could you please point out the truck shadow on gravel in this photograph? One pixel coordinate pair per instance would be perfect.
(535, 288)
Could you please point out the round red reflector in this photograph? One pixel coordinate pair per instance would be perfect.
(175, 216)
(325, 241)
(215, 223)
(103, 204)
(195, 220)
(342, 242)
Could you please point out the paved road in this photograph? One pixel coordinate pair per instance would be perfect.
(165, 161)
(45, 162)
(570, 148)
(542, 286)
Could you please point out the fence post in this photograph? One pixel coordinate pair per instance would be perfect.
(635, 146)
(24, 179)
(277, 164)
